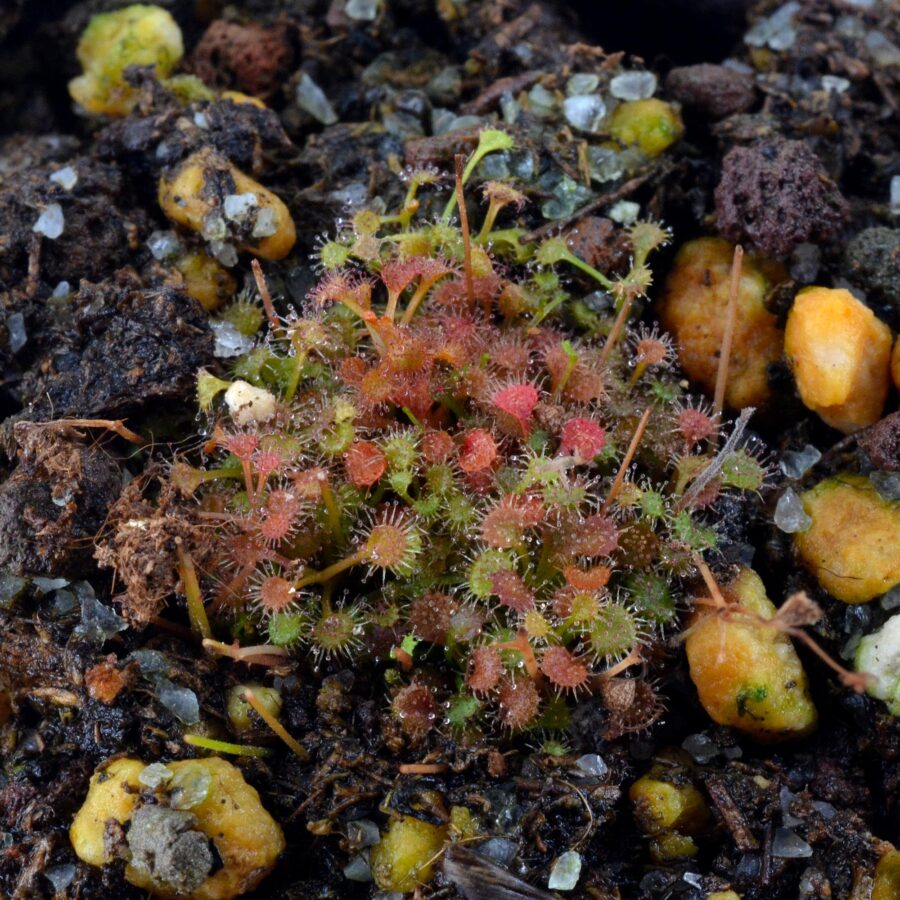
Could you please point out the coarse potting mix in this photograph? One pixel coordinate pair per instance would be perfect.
(450, 449)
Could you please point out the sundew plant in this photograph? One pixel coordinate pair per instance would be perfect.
(424, 468)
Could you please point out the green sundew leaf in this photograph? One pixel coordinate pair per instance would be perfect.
(651, 596)
(337, 439)
(697, 537)
(552, 251)
(401, 451)
(278, 372)
(461, 709)
(539, 440)
(609, 453)
(285, 629)
(614, 632)
(505, 243)
(493, 139)
(543, 471)
(246, 315)
(546, 282)
(460, 511)
(208, 388)
(743, 471)
(249, 366)
(240, 503)
(428, 506)
(556, 715)
(400, 481)
(487, 564)
(507, 479)
(554, 748)
(441, 479)
(653, 504)
(664, 392)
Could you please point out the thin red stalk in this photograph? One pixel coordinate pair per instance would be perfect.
(632, 659)
(275, 725)
(616, 330)
(467, 240)
(424, 768)
(728, 333)
(265, 296)
(629, 457)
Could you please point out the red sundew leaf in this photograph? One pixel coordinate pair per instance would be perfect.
(587, 580)
(398, 274)
(563, 669)
(433, 267)
(266, 463)
(352, 370)
(511, 591)
(408, 355)
(430, 615)
(531, 509)
(309, 482)
(365, 463)
(282, 503)
(331, 288)
(437, 446)
(478, 451)
(582, 438)
(481, 483)
(518, 401)
(504, 526)
(243, 446)
(416, 708)
(275, 594)
(518, 703)
(280, 516)
(485, 669)
(375, 386)
(695, 425)
(596, 535)
(562, 601)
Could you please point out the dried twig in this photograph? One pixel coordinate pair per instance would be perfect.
(743, 837)
(115, 425)
(603, 200)
(464, 227)
(715, 466)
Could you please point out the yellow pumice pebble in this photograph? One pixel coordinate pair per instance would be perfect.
(137, 35)
(840, 355)
(749, 676)
(693, 307)
(223, 807)
(650, 125)
(853, 543)
(194, 194)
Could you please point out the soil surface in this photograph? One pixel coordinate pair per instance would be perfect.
(94, 328)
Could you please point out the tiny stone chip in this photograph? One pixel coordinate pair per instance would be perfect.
(51, 222)
(790, 516)
(65, 177)
(565, 872)
(633, 86)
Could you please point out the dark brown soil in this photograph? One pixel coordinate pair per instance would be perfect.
(768, 158)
